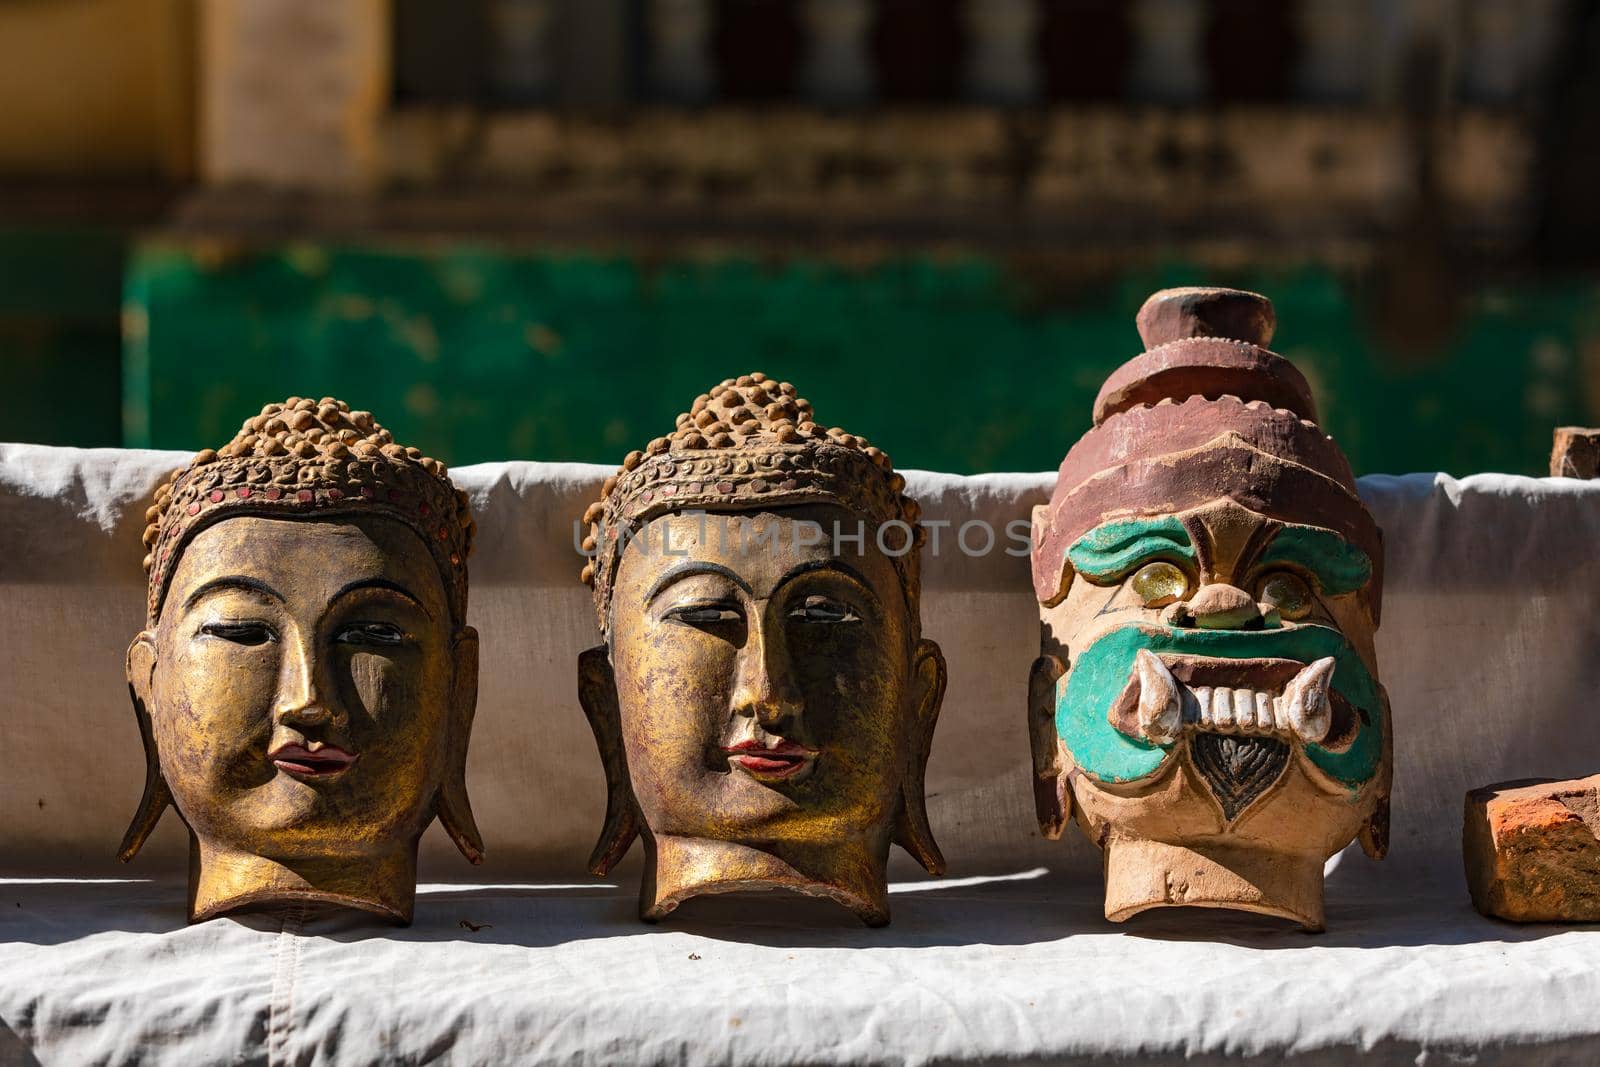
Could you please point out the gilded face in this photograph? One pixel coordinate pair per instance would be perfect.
(301, 691)
(766, 683)
(1216, 660)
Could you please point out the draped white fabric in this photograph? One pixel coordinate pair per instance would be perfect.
(1487, 648)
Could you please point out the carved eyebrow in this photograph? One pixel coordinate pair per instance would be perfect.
(1340, 566)
(383, 583)
(1108, 552)
(693, 567)
(231, 581)
(840, 566)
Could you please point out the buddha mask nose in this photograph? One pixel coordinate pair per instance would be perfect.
(1216, 607)
(771, 701)
(764, 688)
(303, 694)
(311, 717)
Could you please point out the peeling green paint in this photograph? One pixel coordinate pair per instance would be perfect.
(59, 345)
(1108, 552)
(1339, 566)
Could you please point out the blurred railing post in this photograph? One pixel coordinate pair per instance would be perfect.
(1417, 48)
(1168, 65)
(292, 91)
(589, 48)
(680, 50)
(1336, 50)
(521, 69)
(1002, 51)
(837, 71)
(1505, 46)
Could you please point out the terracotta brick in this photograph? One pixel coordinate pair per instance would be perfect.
(1575, 453)
(1531, 849)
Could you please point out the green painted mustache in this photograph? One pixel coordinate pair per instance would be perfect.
(1101, 671)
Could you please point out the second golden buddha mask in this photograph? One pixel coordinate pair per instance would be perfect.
(764, 701)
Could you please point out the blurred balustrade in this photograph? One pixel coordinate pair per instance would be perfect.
(854, 53)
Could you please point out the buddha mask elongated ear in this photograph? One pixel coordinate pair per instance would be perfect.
(912, 831)
(453, 806)
(597, 692)
(1052, 801)
(141, 669)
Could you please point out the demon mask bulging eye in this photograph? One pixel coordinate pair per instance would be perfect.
(1160, 583)
(1285, 591)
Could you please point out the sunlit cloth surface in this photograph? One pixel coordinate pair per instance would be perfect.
(1488, 647)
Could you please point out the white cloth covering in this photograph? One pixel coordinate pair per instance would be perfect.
(1487, 649)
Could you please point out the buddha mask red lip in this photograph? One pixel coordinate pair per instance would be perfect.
(782, 760)
(301, 761)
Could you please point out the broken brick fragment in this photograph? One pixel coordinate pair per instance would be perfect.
(1575, 453)
(1532, 849)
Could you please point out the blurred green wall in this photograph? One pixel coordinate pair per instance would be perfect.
(953, 364)
(60, 346)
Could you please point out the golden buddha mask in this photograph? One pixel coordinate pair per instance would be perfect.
(764, 701)
(306, 682)
(1207, 705)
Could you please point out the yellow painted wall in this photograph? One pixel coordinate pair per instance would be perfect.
(96, 88)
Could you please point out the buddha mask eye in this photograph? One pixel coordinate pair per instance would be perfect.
(1285, 591)
(823, 609)
(240, 632)
(1160, 583)
(704, 614)
(371, 634)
